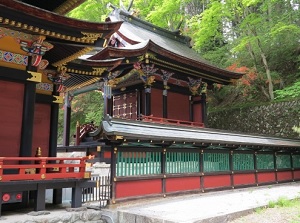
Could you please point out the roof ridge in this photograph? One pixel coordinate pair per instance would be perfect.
(174, 35)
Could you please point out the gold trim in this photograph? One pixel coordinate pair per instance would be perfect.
(151, 57)
(87, 38)
(58, 99)
(91, 37)
(87, 175)
(118, 137)
(180, 69)
(65, 7)
(36, 77)
(96, 71)
(72, 57)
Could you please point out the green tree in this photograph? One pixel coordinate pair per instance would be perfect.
(254, 33)
(85, 108)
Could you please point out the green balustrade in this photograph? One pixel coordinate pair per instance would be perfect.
(138, 163)
(265, 161)
(283, 161)
(296, 161)
(215, 162)
(242, 161)
(182, 162)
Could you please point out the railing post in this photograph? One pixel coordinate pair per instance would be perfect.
(38, 153)
(1, 171)
(163, 170)
(77, 135)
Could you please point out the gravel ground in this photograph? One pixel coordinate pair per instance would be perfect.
(272, 215)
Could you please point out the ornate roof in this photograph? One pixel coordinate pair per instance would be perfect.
(70, 38)
(140, 41)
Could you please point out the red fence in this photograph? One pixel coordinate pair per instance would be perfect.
(42, 168)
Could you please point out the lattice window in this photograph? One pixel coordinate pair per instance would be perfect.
(138, 163)
(243, 161)
(182, 162)
(125, 106)
(283, 161)
(296, 161)
(216, 162)
(265, 161)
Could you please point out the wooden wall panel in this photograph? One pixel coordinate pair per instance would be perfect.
(138, 188)
(283, 176)
(178, 106)
(266, 177)
(157, 102)
(243, 179)
(217, 181)
(182, 184)
(11, 106)
(125, 106)
(41, 128)
(197, 116)
(297, 174)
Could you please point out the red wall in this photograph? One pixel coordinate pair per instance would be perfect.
(266, 177)
(182, 184)
(197, 113)
(243, 179)
(217, 181)
(11, 106)
(156, 102)
(297, 174)
(138, 188)
(286, 175)
(178, 106)
(41, 128)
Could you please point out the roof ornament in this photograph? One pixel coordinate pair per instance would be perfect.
(194, 85)
(166, 76)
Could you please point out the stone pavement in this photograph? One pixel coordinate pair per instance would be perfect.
(211, 207)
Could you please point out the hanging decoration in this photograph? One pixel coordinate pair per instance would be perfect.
(166, 76)
(36, 49)
(194, 85)
(107, 89)
(146, 72)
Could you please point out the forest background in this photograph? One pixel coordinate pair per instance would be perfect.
(258, 37)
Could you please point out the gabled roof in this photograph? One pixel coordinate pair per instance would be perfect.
(166, 49)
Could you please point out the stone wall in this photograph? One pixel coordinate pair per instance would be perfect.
(276, 119)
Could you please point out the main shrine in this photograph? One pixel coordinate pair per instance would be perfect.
(153, 133)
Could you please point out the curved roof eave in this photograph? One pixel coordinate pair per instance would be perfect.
(23, 16)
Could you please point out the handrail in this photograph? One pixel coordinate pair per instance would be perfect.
(170, 121)
(42, 168)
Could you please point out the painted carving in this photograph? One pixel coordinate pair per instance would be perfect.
(13, 58)
(194, 85)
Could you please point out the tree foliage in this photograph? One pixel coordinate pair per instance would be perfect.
(85, 108)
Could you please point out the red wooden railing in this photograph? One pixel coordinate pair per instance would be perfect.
(42, 168)
(170, 121)
(82, 130)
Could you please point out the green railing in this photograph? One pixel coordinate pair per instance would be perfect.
(296, 161)
(182, 162)
(215, 162)
(242, 161)
(283, 161)
(138, 163)
(265, 161)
